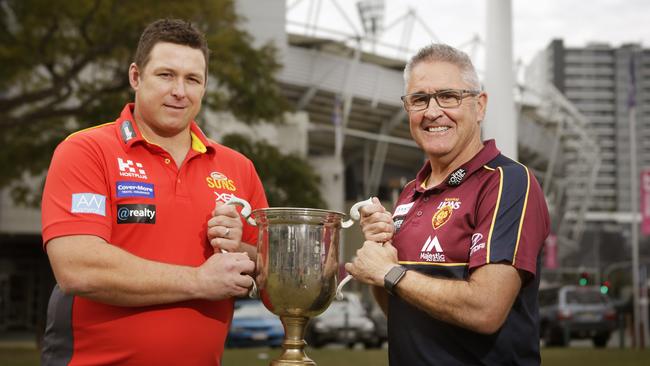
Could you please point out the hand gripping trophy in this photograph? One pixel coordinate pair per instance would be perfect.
(297, 267)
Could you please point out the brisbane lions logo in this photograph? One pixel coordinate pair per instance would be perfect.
(441, 216)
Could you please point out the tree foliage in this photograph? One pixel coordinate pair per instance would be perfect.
(288, 180)
(64, 66)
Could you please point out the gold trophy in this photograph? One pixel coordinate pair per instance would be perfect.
(297, 267)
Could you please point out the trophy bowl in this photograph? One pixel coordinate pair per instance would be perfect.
(297, 270)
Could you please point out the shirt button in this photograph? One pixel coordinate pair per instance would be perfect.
(179, 180)
(425, 199)
(419, 213)
(167, 161)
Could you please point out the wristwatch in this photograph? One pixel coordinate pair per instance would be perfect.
(393, 277)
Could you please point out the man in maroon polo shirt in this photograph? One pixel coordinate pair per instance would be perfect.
(458, 271)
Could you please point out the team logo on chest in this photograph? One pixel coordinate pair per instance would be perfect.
(221, 185)
(445, 209)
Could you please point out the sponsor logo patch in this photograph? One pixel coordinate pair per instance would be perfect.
(402, 210)
(427, 254)
(456, 178)
(218, 180)
(134, 189)
(136, 214)
(91, 203)
(476, 243)
(223, 197)
(131, 169)
(127, 131)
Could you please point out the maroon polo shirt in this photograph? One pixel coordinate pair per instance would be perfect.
(489, 210)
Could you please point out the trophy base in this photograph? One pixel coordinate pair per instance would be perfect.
(294, 345)
(304, 362)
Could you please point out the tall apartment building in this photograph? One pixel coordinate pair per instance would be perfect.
(597, 80)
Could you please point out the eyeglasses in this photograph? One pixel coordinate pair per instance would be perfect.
(448, 98)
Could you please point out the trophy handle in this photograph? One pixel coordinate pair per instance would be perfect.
(354, 216)
(246, 208)
(253, 293)
(339, 288)
(354, 212)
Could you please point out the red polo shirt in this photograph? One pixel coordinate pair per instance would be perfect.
(490, 210)
(110, 182)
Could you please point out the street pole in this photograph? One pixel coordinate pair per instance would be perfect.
(501, 120)
(634, 198)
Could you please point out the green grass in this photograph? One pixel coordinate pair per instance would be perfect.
(24, 356)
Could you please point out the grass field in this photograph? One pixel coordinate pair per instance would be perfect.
(22, 356)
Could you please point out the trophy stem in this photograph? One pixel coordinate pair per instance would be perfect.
(293, 345)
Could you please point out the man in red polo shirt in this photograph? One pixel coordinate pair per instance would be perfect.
(134, 222)
(458, 271)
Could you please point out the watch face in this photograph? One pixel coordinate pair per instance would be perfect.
(393, 277)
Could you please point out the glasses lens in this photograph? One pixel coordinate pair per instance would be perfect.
(449, 98)
(417, 102)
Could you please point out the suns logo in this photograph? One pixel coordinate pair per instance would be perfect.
(218, 180)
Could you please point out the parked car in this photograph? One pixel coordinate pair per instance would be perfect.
(344, 322)
(575, 312)
(254, 326)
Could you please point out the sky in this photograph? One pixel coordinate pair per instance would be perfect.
(457, 22)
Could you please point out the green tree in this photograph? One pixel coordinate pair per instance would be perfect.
(64, 66)
(288, 180)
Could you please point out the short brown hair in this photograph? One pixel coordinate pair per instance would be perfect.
(175, 31)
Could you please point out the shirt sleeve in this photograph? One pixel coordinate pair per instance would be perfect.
(257, 199)
(76, 196)
(512, 220)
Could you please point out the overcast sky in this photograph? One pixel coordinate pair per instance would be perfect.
(535, 23)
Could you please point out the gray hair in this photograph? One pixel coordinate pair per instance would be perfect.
(438, 52)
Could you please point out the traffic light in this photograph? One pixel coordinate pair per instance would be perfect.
(584, 279)
(604, 287)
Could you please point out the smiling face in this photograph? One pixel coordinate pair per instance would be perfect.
(168, 89)
(447, 136)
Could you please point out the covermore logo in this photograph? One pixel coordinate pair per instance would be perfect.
(136, 214)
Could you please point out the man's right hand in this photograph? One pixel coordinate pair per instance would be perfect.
(225, 275)
(376, 222)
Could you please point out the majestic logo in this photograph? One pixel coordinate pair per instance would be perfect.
(218, 180)
(441, 216)
(130, 169)
(136, 214)
(476, 243)
(127, 131)
(456, 178)
(88, 203)
(426, 253)
(134, 189)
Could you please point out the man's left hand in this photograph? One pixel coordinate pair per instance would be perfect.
(372, 262)
(225, 229)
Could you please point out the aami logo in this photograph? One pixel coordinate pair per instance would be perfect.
(130, 169)
(476, 243)
(136, 214)
(218, 180)
(426, 251)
